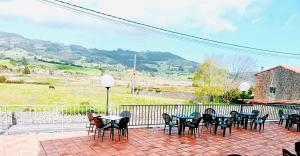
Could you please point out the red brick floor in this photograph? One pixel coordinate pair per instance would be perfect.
(153, 142)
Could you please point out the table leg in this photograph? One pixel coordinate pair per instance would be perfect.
(112, 130)
(216, 125)
(287, 122)
(246, 122)
(180, 126)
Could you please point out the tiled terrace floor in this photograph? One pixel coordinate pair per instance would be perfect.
(153, 142)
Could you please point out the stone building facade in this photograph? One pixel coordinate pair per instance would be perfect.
(278, 83)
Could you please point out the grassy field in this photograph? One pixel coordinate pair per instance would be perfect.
(75, 92)
(76, 85)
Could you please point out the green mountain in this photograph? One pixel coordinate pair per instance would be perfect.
(15, 46)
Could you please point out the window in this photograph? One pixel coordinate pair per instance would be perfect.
(272, 90)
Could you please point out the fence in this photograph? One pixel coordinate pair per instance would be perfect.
(20, 118)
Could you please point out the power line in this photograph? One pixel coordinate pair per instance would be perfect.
(214, 43)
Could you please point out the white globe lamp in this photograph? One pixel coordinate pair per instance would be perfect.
(244, 87)
(107, 81)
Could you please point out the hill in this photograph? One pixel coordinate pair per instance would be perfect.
(18, 47)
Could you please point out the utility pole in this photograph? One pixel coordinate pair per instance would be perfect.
(133, 79)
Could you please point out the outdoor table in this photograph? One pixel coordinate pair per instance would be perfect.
(217, 117)
(246, 115)
(182, 119)
(112, 119)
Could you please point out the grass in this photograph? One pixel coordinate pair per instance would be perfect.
(75, 93)
(75, 69)
(75, 89)
(5, 62)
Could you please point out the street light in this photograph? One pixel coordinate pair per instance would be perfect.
(107, 81)
(244, 87)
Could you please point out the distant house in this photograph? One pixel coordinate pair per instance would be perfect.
(280, 83)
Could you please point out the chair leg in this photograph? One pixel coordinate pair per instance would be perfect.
(89, 130)
(229, 130)
(92, 128)
(119, 133)
(224, 129)
(165, 128)
(170, 128)
(95, 134)
(99, 133)
(260, 127)
(102, 135)
(279, 123)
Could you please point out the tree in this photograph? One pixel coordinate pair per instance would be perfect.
(239, 67)
(26, 70)
(24, 61)
(2, 79)
(210, 79)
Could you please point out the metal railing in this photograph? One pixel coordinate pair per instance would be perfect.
(148, 115)
(20, 118)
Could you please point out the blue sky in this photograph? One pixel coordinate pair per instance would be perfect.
(268, 24)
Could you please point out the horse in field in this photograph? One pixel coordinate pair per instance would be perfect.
(51, 87)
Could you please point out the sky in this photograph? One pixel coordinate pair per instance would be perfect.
(266, 24)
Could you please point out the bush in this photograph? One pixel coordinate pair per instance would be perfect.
(39, 83)
(27, 109)
(2, 79)
(232, 95)
(26, 70)
(84, 107)
(14, 81)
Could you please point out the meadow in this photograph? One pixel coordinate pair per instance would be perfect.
(78, 85)
(74, 91)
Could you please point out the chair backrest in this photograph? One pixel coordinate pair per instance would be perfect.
(229, 121)
(207, 118)
(297, 148)
(196, 115)
(255, 112)
(197, 121)
(123, 122)
(280, 112)
(167, 118)
(90, 116)
(125, 114)
(234, 114)
(99, 122)
(285, 152)
(209, 111)
(264, 118)
(297, 118)
(294, 117)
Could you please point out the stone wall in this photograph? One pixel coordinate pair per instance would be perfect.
(286, 82)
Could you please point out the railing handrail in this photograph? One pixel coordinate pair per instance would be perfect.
(142, 115)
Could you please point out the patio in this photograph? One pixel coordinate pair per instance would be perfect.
(152, 141)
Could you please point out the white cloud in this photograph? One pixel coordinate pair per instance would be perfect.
(258, 20)
(209, 16)
(290, 20)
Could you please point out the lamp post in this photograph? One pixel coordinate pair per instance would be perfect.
(244, 87)
(107, 81)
